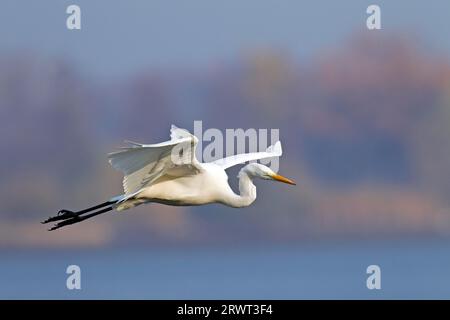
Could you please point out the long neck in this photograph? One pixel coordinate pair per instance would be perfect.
(247, 192)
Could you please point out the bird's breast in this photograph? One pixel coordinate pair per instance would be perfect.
(190, 190)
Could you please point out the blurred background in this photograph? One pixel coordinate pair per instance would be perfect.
(364, 117)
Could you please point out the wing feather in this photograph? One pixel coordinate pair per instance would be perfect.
(272, 151)
(142, 164)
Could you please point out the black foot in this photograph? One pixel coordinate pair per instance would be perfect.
(77, 218)
(62, 215)
(66, 222)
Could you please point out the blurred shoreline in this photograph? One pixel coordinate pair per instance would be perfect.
(365, 132)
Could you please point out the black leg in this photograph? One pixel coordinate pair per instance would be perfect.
(77, 219)
(101, 205)
(67, 214)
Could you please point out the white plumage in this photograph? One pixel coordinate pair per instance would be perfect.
(160, 173)
(169, 173)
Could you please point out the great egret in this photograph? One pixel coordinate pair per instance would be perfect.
(153, 174)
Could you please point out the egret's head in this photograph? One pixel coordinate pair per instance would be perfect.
(263, 172)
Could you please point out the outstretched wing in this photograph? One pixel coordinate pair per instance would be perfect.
(142, 164)
(272, 151)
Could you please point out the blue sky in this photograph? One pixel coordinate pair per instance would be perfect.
(120, 37)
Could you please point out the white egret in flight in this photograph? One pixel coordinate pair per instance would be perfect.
(153, 174)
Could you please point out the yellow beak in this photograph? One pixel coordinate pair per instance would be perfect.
(283, 179)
